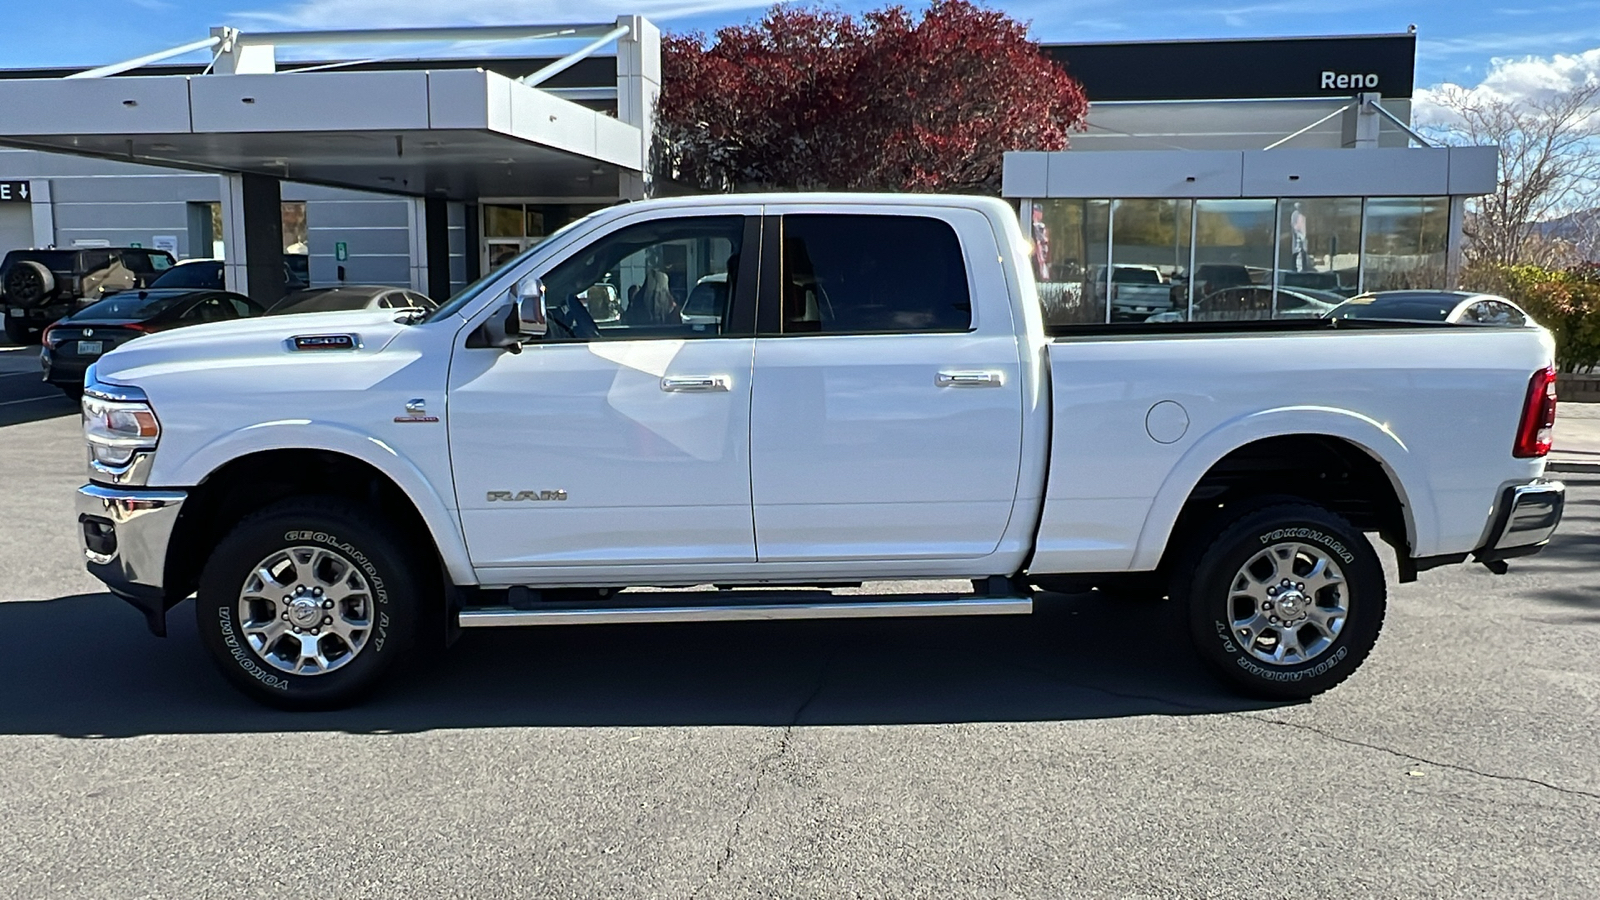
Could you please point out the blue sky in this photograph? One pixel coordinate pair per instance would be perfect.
(1459, 40)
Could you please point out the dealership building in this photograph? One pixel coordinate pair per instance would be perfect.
(1287, 162)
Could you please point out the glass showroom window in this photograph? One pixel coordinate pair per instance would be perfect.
(1319, 244)
(1149, 277)
(1233, 260)
(1405, 244)
(1070, 239)
(510, 228)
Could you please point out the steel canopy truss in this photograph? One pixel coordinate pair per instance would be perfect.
(453, 133)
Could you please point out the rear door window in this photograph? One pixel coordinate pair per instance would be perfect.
(211, 309)
(869, 274)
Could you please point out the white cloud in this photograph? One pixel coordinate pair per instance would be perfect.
(1528, 78)
(327, 14)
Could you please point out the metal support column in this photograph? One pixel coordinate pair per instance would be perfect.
(1455, 239)
(252, 236)
(638, 86)
(44, 213)
(436, 227)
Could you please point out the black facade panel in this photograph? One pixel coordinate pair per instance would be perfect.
(1278, 68)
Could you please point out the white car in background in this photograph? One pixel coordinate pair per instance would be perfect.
(706, 302)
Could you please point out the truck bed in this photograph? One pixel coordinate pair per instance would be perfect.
(1140, 413)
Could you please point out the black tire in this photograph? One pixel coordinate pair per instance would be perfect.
(73, 391)
(1218, 596)
(18, 332)
(395, 595)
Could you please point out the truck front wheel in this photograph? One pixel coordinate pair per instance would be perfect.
(307, 603)
(1287, 601)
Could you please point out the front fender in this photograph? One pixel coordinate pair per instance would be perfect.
(305, 434)
(1398, 462)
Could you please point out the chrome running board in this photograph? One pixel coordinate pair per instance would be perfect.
(503, 616)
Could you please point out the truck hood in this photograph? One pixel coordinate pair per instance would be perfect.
(262, 340)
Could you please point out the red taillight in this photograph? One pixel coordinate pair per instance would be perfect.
(1538, 416)
(140, 327)
(45, 338)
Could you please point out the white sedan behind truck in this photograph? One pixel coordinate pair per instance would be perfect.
(877, 398)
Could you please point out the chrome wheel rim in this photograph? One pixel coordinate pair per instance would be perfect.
(1287, 604)
(306, 610)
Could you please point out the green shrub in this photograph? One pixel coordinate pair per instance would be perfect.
(1566, 301)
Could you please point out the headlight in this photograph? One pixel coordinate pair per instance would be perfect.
(117, 422)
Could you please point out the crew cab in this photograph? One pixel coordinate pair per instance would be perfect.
(878, 399)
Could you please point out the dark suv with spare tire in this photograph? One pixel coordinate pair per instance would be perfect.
(38, 287)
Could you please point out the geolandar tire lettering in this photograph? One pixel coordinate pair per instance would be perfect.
(306, 604)
(1287, 601)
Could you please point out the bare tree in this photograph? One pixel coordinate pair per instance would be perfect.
(1549, 166)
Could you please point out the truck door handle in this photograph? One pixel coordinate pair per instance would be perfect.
(700, 383)
(969, 379)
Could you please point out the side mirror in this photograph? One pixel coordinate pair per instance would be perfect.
(528, 295)
(523, 318)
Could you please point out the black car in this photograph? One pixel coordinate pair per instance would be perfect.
(75, 342)
(39, 286)
(207, 273)
(348, 297)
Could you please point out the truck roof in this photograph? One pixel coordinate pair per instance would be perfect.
(828, 198)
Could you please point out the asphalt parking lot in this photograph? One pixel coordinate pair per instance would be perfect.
(1082, 751)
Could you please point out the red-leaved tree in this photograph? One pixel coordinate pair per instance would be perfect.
(813, 99)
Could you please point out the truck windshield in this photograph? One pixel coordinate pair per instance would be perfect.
(467, 294)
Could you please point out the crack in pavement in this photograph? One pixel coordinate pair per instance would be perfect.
(1576, 792)
(762, 768)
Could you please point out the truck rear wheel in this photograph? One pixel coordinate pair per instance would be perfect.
(18, 332)
(1287, 601)
(307, 604)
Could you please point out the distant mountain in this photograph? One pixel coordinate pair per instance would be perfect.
(1581, 228)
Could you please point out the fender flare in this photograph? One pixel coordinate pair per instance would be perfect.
(1372, 437)
(299, 434)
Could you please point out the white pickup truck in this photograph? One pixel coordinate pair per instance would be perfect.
(877, 400)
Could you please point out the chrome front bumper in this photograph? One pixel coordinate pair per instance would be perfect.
(124, 533)
(1525, 519)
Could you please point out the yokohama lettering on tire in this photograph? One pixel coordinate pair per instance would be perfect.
(1286, 601)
